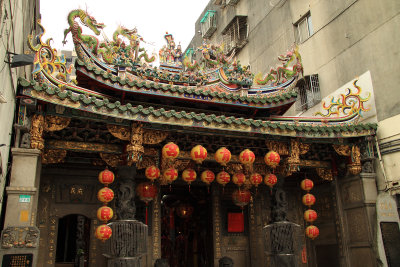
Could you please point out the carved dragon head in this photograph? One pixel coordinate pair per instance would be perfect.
(91, 22)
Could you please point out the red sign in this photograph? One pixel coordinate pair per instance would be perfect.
(235, 222)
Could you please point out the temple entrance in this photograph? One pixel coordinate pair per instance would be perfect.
(73, 241)
(186, 226)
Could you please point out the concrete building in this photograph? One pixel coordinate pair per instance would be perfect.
(17, 21)
(340, 42)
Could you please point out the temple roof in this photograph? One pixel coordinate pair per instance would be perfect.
(221, 95)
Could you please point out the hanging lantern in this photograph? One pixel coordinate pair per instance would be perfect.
(106, 177)
(239, 179)
(310, 215)
(198, 154)
(312, 231)
(170, 175)
(270, 180)
(247, 157)
(306, 185)
(241, 197)
(207, 177)
(189, 175)
(272, 159)
(223, 178)
(223, 156)
(308, 200)
(152, 173)
(103, 232)
(146, 191)
(170, 151)
(256, 179)
(184, 210)
(105, 195)
(105, 213)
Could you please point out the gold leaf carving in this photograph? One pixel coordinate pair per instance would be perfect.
(112, 160)
(355, 165)
(325, 174)
(304, 148)
(152, 137)
(135, 148)
(120, 132)
(233, 168)
(37, 127)
(279, 147)
(342, 150)
(51, 156)
(55, 123)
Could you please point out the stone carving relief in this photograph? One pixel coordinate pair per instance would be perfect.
(20, 237)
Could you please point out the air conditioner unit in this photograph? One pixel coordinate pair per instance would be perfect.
(232, 2)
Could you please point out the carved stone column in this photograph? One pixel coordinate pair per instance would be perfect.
(281, 237)
(128, 243)
(20, 234)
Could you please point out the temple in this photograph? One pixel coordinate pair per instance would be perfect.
(191, 163)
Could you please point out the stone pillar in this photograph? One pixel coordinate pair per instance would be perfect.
(20, 234)
(358, 198)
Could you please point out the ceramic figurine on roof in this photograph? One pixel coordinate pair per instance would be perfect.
(76, 30)
(170, 57)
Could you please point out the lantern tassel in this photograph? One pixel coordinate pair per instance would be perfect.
(189, 187)
(147, 214)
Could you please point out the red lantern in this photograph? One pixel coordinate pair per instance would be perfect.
(307, 185)
(105, 195)
(103, 232)
(239, 179)
(312, 231)
(256, 179)
(247, 157)
(189, 175)
(223, 178)
(272, 159)
(310, 215)
(308, 200)
(207, 177)
(223, 156)
(198, 154)
(170, 174)
(146, 191)
(105, 213)
(152, 173)
(170, 150)
(270, 180)
(106, 177)
(184, 210)
(241, 197)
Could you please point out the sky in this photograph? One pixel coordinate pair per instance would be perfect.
(152, 18)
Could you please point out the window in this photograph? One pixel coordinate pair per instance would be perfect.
(208, 24)
(235, 34)
(308, 92)
(303, 29)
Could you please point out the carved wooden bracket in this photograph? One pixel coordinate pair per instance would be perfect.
(135, 147)
(342, 150)
(55, 123)
(355, 165)
(281, 148)
(325, 174)
(150, 137)
(51, 156)
(37, 127)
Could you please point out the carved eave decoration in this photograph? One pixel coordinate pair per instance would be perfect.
(292, 163)
(55, 123)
